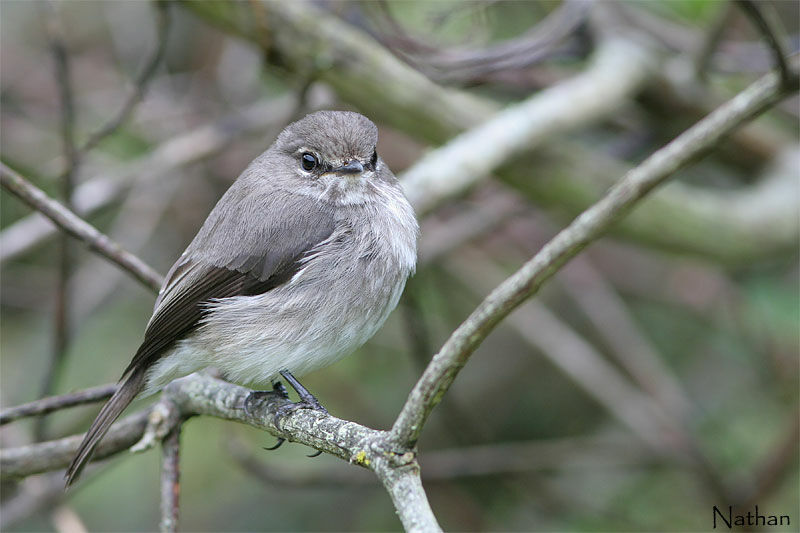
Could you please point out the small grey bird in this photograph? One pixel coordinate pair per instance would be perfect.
(298, 264)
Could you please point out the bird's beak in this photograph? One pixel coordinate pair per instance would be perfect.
(352, 168)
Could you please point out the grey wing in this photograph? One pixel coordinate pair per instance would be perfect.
(233, 255)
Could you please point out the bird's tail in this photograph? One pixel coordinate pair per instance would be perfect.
(130, 387)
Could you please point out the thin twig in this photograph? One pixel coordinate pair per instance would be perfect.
(611, 317)
(78, 228)
(55, 403)
(470, 65)
(770, 29)
(712, 38)
(589, 226)
(138, 217)
(170, 480)
(141, 82)
(72, 158)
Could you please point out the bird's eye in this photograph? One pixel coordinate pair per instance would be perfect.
(308, 161)
(374, 159)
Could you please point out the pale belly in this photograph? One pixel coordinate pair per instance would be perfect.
(296, 328)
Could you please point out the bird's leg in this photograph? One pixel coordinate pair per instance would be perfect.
(307, 400)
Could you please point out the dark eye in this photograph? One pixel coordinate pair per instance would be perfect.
(374, 159)
(308, 161)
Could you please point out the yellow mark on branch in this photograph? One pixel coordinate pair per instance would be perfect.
(361, 458)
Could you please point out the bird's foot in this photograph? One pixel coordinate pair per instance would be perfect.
(256, 395)
(307, 401)
(277, 389)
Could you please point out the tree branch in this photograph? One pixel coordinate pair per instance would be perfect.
(618, 68)
(197, 394)
(590, 225)
(52, 455)
(770, 30)
(54, 403)
(396, 467)
(170, 480)
(140, 84)
(72, 159)
(78, 228)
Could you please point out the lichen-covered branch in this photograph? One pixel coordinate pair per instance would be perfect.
(395, 465)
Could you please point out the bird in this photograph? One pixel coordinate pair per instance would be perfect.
(299, 263)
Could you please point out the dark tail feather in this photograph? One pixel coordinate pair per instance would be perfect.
(125, 394)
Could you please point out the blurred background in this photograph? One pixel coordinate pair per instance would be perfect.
(653, 377)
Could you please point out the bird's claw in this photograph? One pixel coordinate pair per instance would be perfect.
(281, 440)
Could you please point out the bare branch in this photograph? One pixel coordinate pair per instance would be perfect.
(137, 219)
(52, 455)
(612, 319)
(405, 487)
(577, 359)
(712, 38)
(476, 64)
(396, 467)
(170, 480)
(72, 157)
(78, 228)
(770, 29)
(617, 69)
(55, 403)
(589, 226)
(140, 85)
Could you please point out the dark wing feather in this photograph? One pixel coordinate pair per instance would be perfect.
(182, 313)
(251, 243)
